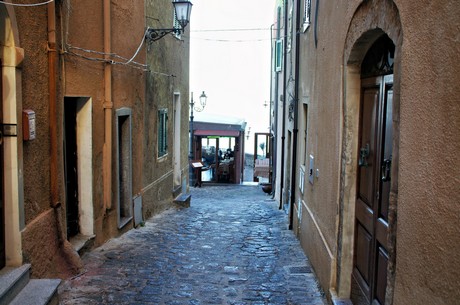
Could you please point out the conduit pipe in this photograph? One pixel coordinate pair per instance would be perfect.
(296, 116)
(108, 107)
(70, 255)
(52, 70)
(283, 124)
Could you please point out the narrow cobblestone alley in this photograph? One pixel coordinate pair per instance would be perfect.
(232, 246)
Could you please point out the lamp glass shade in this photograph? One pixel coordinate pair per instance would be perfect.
(203, 99)
(183, 10)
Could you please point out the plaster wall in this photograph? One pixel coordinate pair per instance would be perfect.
(36, 240)
(168, 78)
(427, 237)
(84, 76)
(320, 88)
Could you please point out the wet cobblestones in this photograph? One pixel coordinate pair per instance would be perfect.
(232, 246)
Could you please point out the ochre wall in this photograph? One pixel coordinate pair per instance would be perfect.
(428, 234)
(427, 239)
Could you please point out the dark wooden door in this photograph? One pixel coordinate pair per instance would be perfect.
(71, 172)
(2, 202)
(373, 187)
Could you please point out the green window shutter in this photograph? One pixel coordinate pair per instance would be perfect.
(278, 55)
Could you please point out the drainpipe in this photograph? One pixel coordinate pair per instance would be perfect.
(296, 115)
(275, 112)
(52, 59)
(72, 258)
(283, 134)
(108, 106)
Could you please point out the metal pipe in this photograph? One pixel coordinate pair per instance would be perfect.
(296, 116)
(71, 257)
(52, 70)
(283, 134)
(272, 129)
(108, 107)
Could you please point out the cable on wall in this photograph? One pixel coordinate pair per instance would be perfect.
(26, 5)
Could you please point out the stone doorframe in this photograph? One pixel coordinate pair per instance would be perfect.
(371, 20)
(11, 59)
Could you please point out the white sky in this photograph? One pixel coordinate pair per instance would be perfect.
(232, 67)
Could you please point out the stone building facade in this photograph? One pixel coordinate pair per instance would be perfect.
(366, 114)
(96, 117)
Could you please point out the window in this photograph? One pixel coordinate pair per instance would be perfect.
(307, 15)
(278, 55)
(162, 132)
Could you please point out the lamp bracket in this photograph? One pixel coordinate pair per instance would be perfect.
(156, 34)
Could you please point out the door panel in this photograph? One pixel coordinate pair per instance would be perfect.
(2, 203)
(367, 145)
(386, 152)
(374, 176)
(363, 250)
(381, 278)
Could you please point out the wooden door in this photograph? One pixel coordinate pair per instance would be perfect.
(2, 202)
(373, 187)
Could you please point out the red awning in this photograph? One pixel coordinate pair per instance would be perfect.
(222, 133)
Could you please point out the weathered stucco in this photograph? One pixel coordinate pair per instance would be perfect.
(424, 235)
(38, 231)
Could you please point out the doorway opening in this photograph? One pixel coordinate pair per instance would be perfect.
(375, 142)
(177, 146)
(78, 166)
(2, 201)
(124, 166)
(218, 157)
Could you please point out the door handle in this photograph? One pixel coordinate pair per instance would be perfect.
(364, 153)
(386, 170)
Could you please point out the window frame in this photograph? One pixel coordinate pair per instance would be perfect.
(279, 55)
(162, 133)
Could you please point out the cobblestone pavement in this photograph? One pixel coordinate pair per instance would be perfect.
(231, 246)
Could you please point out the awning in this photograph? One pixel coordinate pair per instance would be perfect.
(222, 133)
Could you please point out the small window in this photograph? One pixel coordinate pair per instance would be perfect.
(162, 132)
(278, 55)
(307, 15)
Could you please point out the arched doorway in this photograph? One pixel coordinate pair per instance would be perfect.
(11, 194)
(374, 172)
(371, 93)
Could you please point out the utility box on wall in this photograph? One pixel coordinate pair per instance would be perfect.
(311, 170)
(28, 124)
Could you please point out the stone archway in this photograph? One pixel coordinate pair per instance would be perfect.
(11, 59)
(371, 20)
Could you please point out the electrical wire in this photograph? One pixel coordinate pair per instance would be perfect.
(232, 40)
(124, 61)
(26, 5)
(139, 66)
(231, 30)
(139, 48)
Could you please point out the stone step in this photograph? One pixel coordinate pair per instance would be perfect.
(16, 288)
(38, 292)
(12, 281)
(183, 200)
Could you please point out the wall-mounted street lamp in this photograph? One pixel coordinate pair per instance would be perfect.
(183, 10)
(199, 108)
